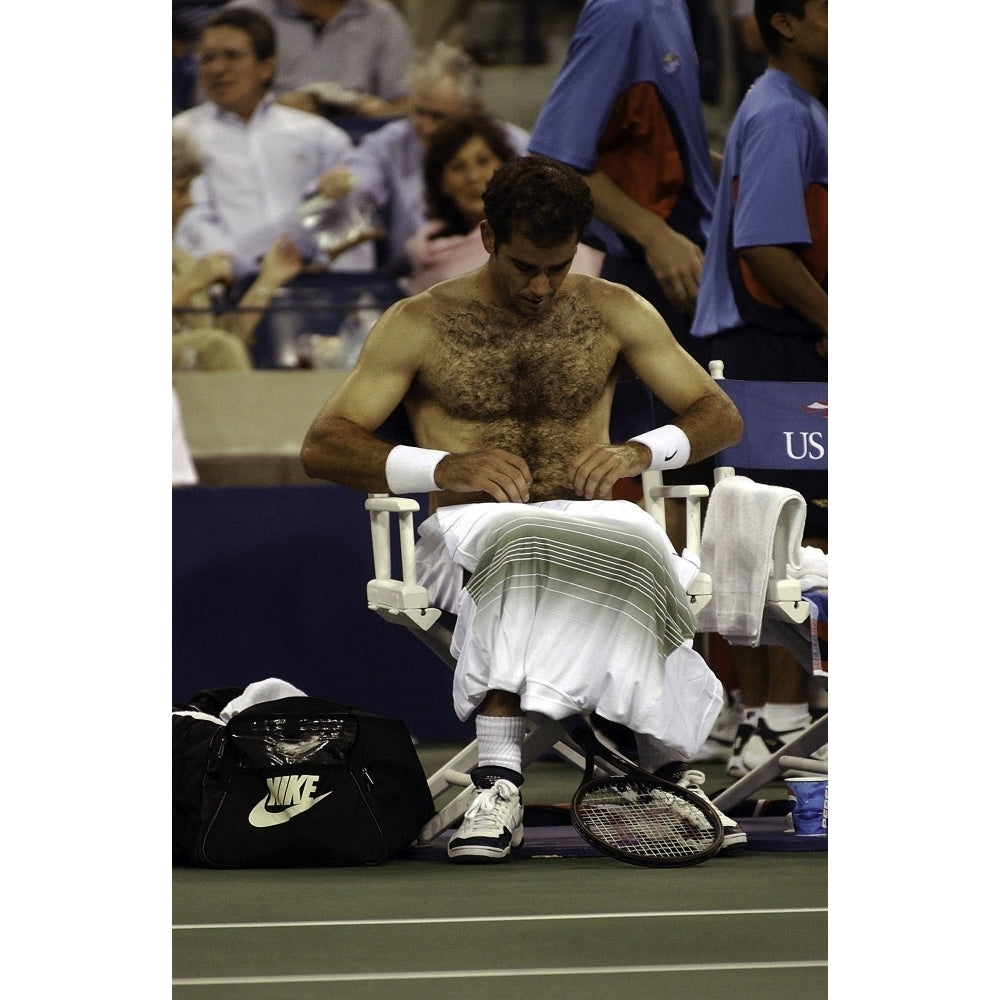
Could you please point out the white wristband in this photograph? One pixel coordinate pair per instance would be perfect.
(669, 444)
(411, 470)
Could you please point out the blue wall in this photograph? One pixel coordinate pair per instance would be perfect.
(270, 582)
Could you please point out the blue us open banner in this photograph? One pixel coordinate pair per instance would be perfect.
(785, 425)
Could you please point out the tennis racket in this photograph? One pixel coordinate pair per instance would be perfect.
(639, 818)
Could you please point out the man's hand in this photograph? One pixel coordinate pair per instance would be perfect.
(281, 263)
(302, 100)
(677, 264)
(426, 249)
(502, 475)
(595, 470)
(208, 270)
(336, 182)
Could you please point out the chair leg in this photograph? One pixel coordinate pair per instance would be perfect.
(445, 816)
(543, 734)
(546, 734)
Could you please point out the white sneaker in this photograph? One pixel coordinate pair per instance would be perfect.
(493, 825)
(719, 743)
(766, 742)
(734, 837)
(738, 766)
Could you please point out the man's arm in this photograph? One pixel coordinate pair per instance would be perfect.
(340, 445)
(706, 417)
(782, 272)
(705, 413)
(674, 259)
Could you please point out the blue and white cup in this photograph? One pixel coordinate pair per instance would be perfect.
(810, 809)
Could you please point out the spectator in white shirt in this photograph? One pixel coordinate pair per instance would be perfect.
(260, 159)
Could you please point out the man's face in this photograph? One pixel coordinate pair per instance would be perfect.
(434, 104)
(812, 34)
(527, 275)
(231, 74)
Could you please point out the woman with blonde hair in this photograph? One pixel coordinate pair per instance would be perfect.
(204, 340)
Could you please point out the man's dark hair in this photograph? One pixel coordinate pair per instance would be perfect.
(544, 200)
(257, 26)
(444, 144)
(764, 10)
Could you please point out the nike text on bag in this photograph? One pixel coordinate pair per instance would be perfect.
(304, 781)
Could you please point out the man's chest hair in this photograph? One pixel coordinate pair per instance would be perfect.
(488, 364)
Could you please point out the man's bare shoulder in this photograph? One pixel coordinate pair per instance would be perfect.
(599, 291)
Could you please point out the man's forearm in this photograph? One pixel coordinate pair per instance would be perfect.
(625, 215)
(783, 274)
(342, 452)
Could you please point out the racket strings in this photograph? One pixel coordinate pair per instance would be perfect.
(650, 822)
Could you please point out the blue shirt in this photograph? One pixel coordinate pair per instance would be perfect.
(772, 192)
(619, 45)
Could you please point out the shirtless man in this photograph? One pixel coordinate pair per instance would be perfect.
(507, 375)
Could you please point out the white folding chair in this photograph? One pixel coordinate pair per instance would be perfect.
(402, 601)
(784, 428)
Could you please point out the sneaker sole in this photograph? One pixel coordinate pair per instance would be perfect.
(478, 854)
(734, 843)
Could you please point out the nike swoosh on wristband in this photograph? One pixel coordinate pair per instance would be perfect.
(260, 817)
(667, 458)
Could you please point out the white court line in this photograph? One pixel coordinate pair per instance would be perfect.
(490, 920)
(599, 970)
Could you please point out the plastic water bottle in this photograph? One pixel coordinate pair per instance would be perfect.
(356, 326)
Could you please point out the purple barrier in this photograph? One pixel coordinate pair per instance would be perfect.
(270, 581)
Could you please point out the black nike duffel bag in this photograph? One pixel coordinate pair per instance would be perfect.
(296, 781)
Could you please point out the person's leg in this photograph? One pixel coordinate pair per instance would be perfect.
(209, 350)
(670, 764)
(493, 824)
(752, 671)
(787, 705)
(786, 713)
(500, 729)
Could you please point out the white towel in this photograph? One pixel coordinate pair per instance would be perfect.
(253, 694)
(809, 565)
(740, 525)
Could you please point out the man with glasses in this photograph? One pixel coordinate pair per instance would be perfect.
(260, 158)
(354, 52)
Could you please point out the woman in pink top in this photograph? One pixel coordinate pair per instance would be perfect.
(459, 160)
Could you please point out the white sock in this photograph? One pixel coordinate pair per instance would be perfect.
(654, 754)
(501, 738)
(784, 718)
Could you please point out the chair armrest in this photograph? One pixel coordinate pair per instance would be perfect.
(386, 593)
(784, 593)
(699, 590)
